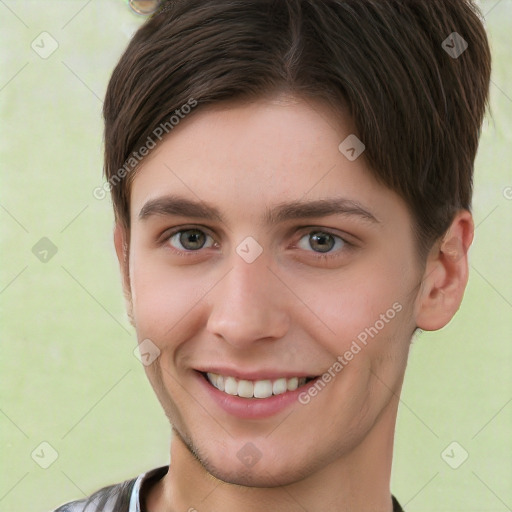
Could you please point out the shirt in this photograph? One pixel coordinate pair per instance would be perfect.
(139, 486)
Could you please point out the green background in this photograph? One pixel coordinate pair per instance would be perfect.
(69, 375)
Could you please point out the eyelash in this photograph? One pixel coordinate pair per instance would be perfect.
(310, 230)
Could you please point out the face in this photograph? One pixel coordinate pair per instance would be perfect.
(260, 255)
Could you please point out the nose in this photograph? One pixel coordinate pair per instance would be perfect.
(248, 305)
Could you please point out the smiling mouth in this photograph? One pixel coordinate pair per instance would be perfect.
(255, 388)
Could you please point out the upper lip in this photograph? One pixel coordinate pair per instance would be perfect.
(253, 374)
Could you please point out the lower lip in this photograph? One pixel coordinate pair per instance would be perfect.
(252, 408)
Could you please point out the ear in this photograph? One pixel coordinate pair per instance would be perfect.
(445, 276)
(121, 244)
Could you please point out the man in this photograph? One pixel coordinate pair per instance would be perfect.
(291, 183)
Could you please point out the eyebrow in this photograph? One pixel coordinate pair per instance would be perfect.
(175, 205)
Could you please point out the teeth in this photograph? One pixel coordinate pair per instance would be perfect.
(279, 386)
(230, 385)
(292, 384)
(245, 389)
(262, 389)
(254, 389)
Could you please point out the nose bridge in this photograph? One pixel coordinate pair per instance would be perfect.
(247, 304)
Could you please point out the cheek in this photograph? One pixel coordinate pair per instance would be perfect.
(163, 301)
(358, 306)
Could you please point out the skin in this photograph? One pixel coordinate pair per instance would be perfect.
(286, 310)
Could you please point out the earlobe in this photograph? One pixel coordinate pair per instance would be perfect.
(446, 275)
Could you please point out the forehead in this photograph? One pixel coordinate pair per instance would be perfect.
(246, 157)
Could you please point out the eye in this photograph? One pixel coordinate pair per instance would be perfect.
(190, 240)
(321, 241)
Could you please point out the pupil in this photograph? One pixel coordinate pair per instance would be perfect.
(192, 239)
(323, 242)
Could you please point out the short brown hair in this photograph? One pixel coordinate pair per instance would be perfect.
(416, 106)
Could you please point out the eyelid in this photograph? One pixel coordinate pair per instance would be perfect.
(347, 238)
(169, 232)
(337, 238)
(166, 236)
(330, 259)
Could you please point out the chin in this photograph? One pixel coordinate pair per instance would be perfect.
(261, 477)
(261, 474)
